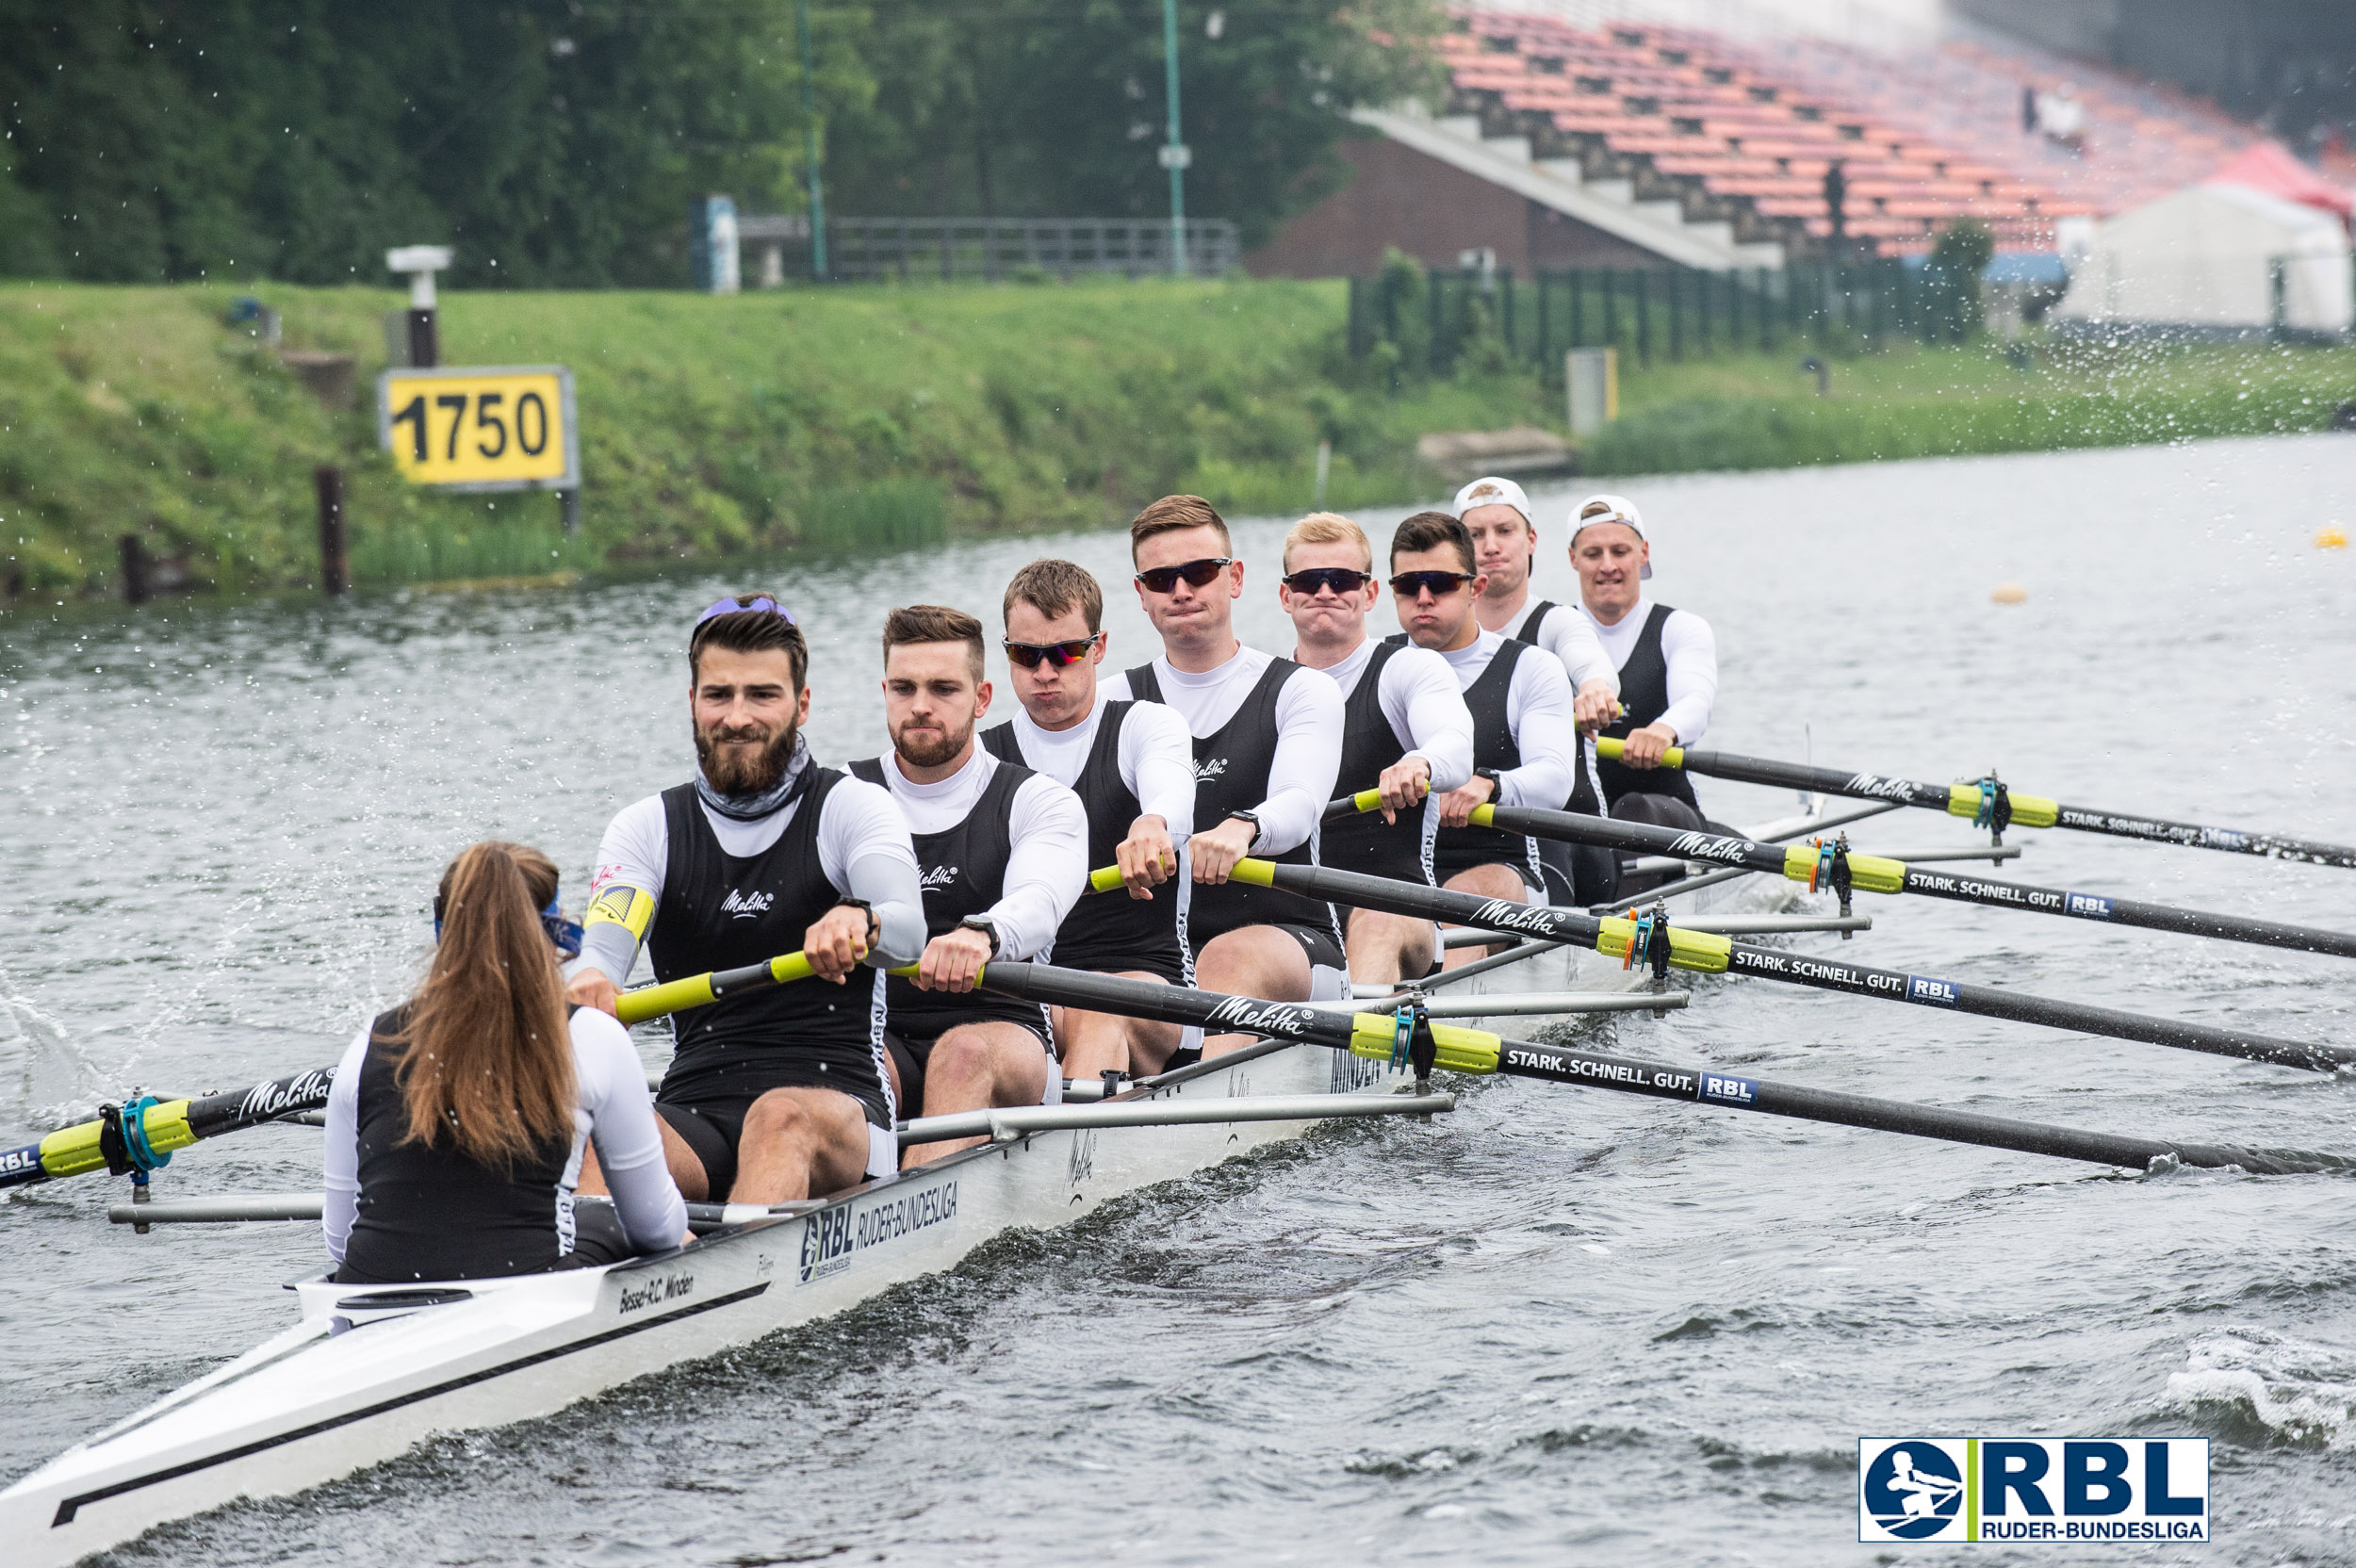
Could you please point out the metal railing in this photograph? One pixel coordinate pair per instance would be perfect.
(1649, 312)
(949, 248)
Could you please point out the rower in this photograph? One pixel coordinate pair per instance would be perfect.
(1495, 512)
(1405, 731)
(1525, 739)
(1003, 856)
(781, 1092)
(1667, 660)
(458, 1120)
(1132, 765)
(1267, 744)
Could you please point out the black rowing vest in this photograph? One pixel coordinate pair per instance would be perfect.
(1108, 932)
(435, 1214)
(1231, 772)
(1364, 843)
(1576, 873)
(1459, 849)
(963, 870)
(720, 912)
(1643, 698)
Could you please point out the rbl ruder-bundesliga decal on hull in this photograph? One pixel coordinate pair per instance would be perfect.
(2008, 1488)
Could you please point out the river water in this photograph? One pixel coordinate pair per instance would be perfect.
(1557, 1326)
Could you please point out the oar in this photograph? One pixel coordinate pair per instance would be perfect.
(1833, 865)
(142, 1134)
(698, 991)
(1664, 947)
(1990, 802)
(1379, 1036)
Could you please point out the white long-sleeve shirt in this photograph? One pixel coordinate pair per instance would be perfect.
(1538, 710)
(611, 1106)
(1156, 758)
(1308, 736)
(1569, 634)
(1691, 651)
(1047, 865)
(864, 849)
(1426, 709)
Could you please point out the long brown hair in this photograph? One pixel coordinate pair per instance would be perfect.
(486, 1054)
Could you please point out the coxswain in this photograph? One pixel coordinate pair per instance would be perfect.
(1405, 731)
(1525, 740)
(458, 1120)
(1267, 746)
(782, 1091)
(1001, 853)
(1667, 661)
(1496, 513)
(1132, 765)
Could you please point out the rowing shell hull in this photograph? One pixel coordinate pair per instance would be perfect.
(344, 1389)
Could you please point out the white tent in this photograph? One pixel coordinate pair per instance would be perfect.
(2207, 256)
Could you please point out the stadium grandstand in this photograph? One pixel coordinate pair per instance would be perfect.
(1653, 141)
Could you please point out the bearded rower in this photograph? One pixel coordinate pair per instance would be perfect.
(1405, 731)
(1132, 765)
(1667, 660)
(1003, 855)
(1496, 514)
(1267, 744)
(1525, 740)
(781, 1092)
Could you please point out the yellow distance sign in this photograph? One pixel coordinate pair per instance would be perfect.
(501, 428)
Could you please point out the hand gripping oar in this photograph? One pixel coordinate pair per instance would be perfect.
(1987, 803)
(1384, 1036)
(142, 1134)
(1836, 866)
(1664, 947)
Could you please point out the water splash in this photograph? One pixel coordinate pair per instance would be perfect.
(2293, 1392)
(57, 1081)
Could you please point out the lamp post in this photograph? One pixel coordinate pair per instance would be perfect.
(809, 124)
(1176, 154)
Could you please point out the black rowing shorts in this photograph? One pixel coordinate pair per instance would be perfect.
(912, 1054)
(708, 1112)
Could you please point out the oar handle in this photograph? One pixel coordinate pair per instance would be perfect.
(1612, 749)
(1257, 874)
(698, 990)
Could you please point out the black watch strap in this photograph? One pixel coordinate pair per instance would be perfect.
(986, 925)
(1252, 817)
(874, 921)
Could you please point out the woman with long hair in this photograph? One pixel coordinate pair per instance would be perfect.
(457, 1121)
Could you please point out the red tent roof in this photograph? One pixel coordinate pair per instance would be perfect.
(2267, 166)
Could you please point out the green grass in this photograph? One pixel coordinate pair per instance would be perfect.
(890, 417)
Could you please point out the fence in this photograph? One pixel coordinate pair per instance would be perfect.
(947, 249)
(1648, 313)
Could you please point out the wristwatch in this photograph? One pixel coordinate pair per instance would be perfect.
(1252, 817)
(1496, 784)
(987, 925)
(874, 921)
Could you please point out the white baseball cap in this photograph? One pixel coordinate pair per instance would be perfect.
(1622, 511)
(1491, 492)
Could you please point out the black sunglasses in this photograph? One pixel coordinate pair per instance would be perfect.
(1058, 654)
(1341, 580)
(1164, 579)
(1408, 584)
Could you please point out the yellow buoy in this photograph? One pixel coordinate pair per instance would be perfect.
(2330, 539)
(2010, 593)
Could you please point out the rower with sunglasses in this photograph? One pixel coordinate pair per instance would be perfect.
(1003, 853)
(1267, 746)
(783, 1091)
(1405, 731)
(1526, 740)
(1132, 765)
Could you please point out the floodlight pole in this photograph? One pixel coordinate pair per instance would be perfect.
(1175, 153)
(810, 125)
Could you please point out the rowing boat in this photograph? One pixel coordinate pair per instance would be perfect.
(366, 1373)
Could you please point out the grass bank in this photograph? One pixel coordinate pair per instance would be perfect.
(709, 427)
(715, 427)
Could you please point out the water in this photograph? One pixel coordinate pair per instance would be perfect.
(1557, 1326)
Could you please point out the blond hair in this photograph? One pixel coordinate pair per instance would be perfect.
(1328, 528)
(1172, 512)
